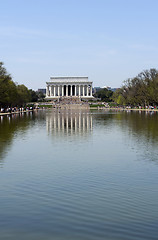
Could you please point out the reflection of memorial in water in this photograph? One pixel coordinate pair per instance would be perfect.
(69, 122)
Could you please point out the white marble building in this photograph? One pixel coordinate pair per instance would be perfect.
(68, 87)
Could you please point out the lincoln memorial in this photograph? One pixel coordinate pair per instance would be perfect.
(69, 87)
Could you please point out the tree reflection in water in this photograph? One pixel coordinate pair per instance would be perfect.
(9, 126)
(141, 127)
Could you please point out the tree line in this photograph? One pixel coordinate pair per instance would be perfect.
(141, 90)
(12, 94)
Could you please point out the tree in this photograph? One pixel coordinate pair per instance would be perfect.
(11, 94)
(118, 97)
(140, 90)
(33, 95)
(8, 91)
(23, 94)
(104, 94)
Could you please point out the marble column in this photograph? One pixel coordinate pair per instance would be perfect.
(54, 91)
(79, 90)
(87, 91)
(62, 90)
(66, 90)
(71, 90)
(47, 90)
(58, 90)
(83, 90)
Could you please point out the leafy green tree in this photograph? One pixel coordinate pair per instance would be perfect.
(23, 94)
(104, 94)
(8, 91)
(118, 97)
(140, 90)
(33, 96)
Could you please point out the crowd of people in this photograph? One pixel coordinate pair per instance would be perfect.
(15, 109)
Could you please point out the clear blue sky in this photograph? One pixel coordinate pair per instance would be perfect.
(106, 40)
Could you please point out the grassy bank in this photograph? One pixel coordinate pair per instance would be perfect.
(45, 106)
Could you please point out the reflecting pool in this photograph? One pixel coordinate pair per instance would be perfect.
(67, 175)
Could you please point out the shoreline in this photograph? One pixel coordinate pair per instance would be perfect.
(12, 113)
(91, 108)
(124, 109)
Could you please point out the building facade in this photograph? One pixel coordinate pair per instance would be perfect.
(68, 87)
